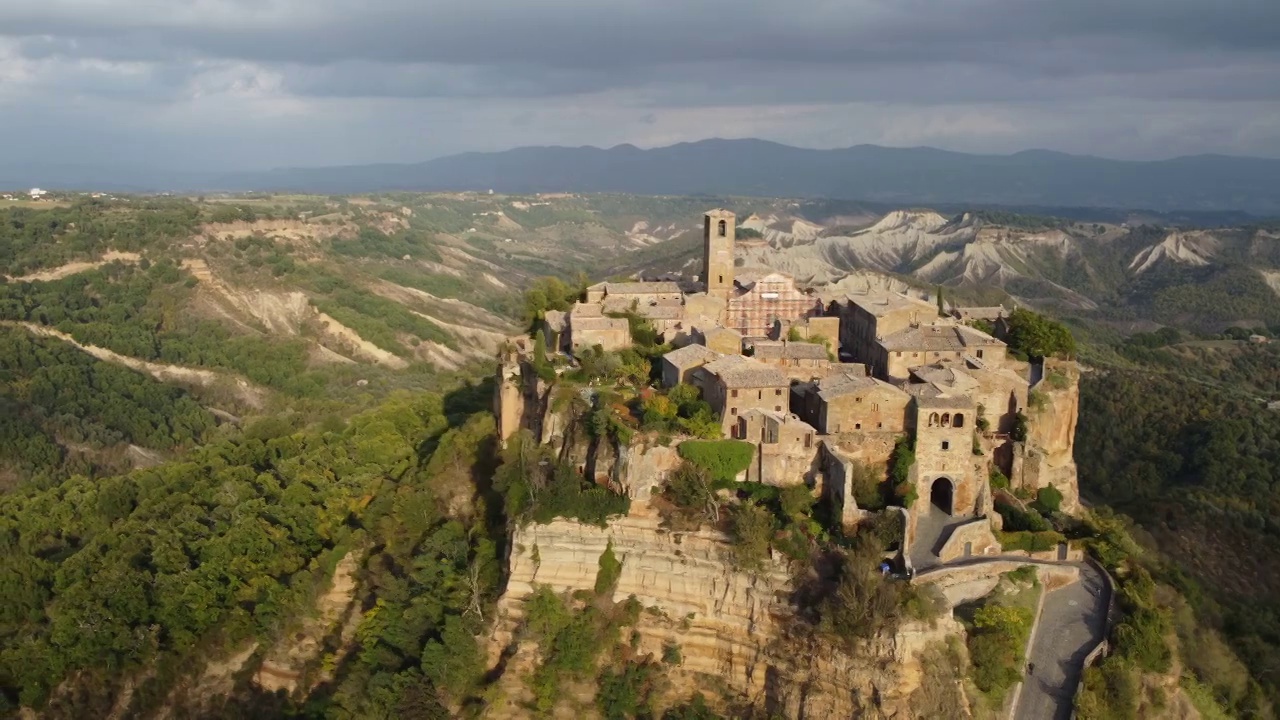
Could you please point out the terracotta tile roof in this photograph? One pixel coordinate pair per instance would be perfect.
(880, 303)
(778, 350)
(937, 337)
(839, 385)
(691, 355)
(640, 288)
(738, 371)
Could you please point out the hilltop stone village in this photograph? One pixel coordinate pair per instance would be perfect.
(818, 382)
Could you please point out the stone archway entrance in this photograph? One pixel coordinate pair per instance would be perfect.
(941, 494)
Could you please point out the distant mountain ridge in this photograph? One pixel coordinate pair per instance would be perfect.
(864, 172)
(750, 167)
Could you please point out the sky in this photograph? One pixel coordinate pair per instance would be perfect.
(254, 84)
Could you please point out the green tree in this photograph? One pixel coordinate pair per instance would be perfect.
(1035, 336)
(751, 528)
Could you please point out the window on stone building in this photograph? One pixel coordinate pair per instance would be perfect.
(777, 392)
(933, 420)
(733, 411)
(958, 420)
(735, 393)
(777, 408)
(875, 407)
(857, 399)
(857, 426)
(879, 426)
(979, 354)
(759, 394)
(722, 228)
(946, 445)
(897, 354)
(808, 440)
(946, 419)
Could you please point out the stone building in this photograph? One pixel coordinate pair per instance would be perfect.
(945, 474)
(797, 360)
(894, 355)
(999, 392)
(756, 307)
(734, 384)
(619, 296)
(986, 314)
(824, 329)
(718, 231)
(721, 340)
(786, 448)
(865, 319)
(678, 365)
(849, 402)
(588, 327)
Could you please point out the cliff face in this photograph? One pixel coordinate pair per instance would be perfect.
(730, 626)
(1049, 455)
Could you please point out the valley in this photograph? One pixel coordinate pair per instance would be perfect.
(259, 458)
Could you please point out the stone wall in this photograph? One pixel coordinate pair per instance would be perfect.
(971, 539)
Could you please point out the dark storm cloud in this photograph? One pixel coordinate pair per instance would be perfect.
(569, 46)
(399, 79)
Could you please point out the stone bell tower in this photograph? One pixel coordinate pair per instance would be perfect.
(718, 231)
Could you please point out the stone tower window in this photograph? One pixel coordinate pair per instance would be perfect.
(946, 445)
(722, 228)
(958, 420)
(946, 419)
(933, 420)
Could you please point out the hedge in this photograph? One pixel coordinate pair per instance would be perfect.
(724, 459)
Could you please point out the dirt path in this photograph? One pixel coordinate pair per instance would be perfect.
(247, 392)
(347, 339)
(288, 660)
(76, 267)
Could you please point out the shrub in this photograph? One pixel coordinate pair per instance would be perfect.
(724, 459)
(625, 694)
(609, 572)
(1111, 690)
(1031, 541)
(904, 456)
(996, 647)
(867, 486)
(905, 494)
(671, 654)
(751, 528)
(796, 502)
(1048, 500)
(997, 479)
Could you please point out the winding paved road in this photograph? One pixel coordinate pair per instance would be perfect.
(1073, 622)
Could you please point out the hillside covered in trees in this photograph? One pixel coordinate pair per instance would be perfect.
(207, 406)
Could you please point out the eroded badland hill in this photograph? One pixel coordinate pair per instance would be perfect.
(359, 457)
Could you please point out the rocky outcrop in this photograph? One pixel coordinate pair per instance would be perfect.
(730, 626)
(1048, 456)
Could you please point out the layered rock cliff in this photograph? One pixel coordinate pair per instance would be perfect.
(1048, 455)
(733, 629)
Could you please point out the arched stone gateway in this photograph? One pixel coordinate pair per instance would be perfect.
(942, 495)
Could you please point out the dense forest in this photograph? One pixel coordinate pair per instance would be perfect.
(55, 396)
(105, 578)
(1198, 465)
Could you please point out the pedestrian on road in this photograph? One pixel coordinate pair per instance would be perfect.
(1031, 668)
